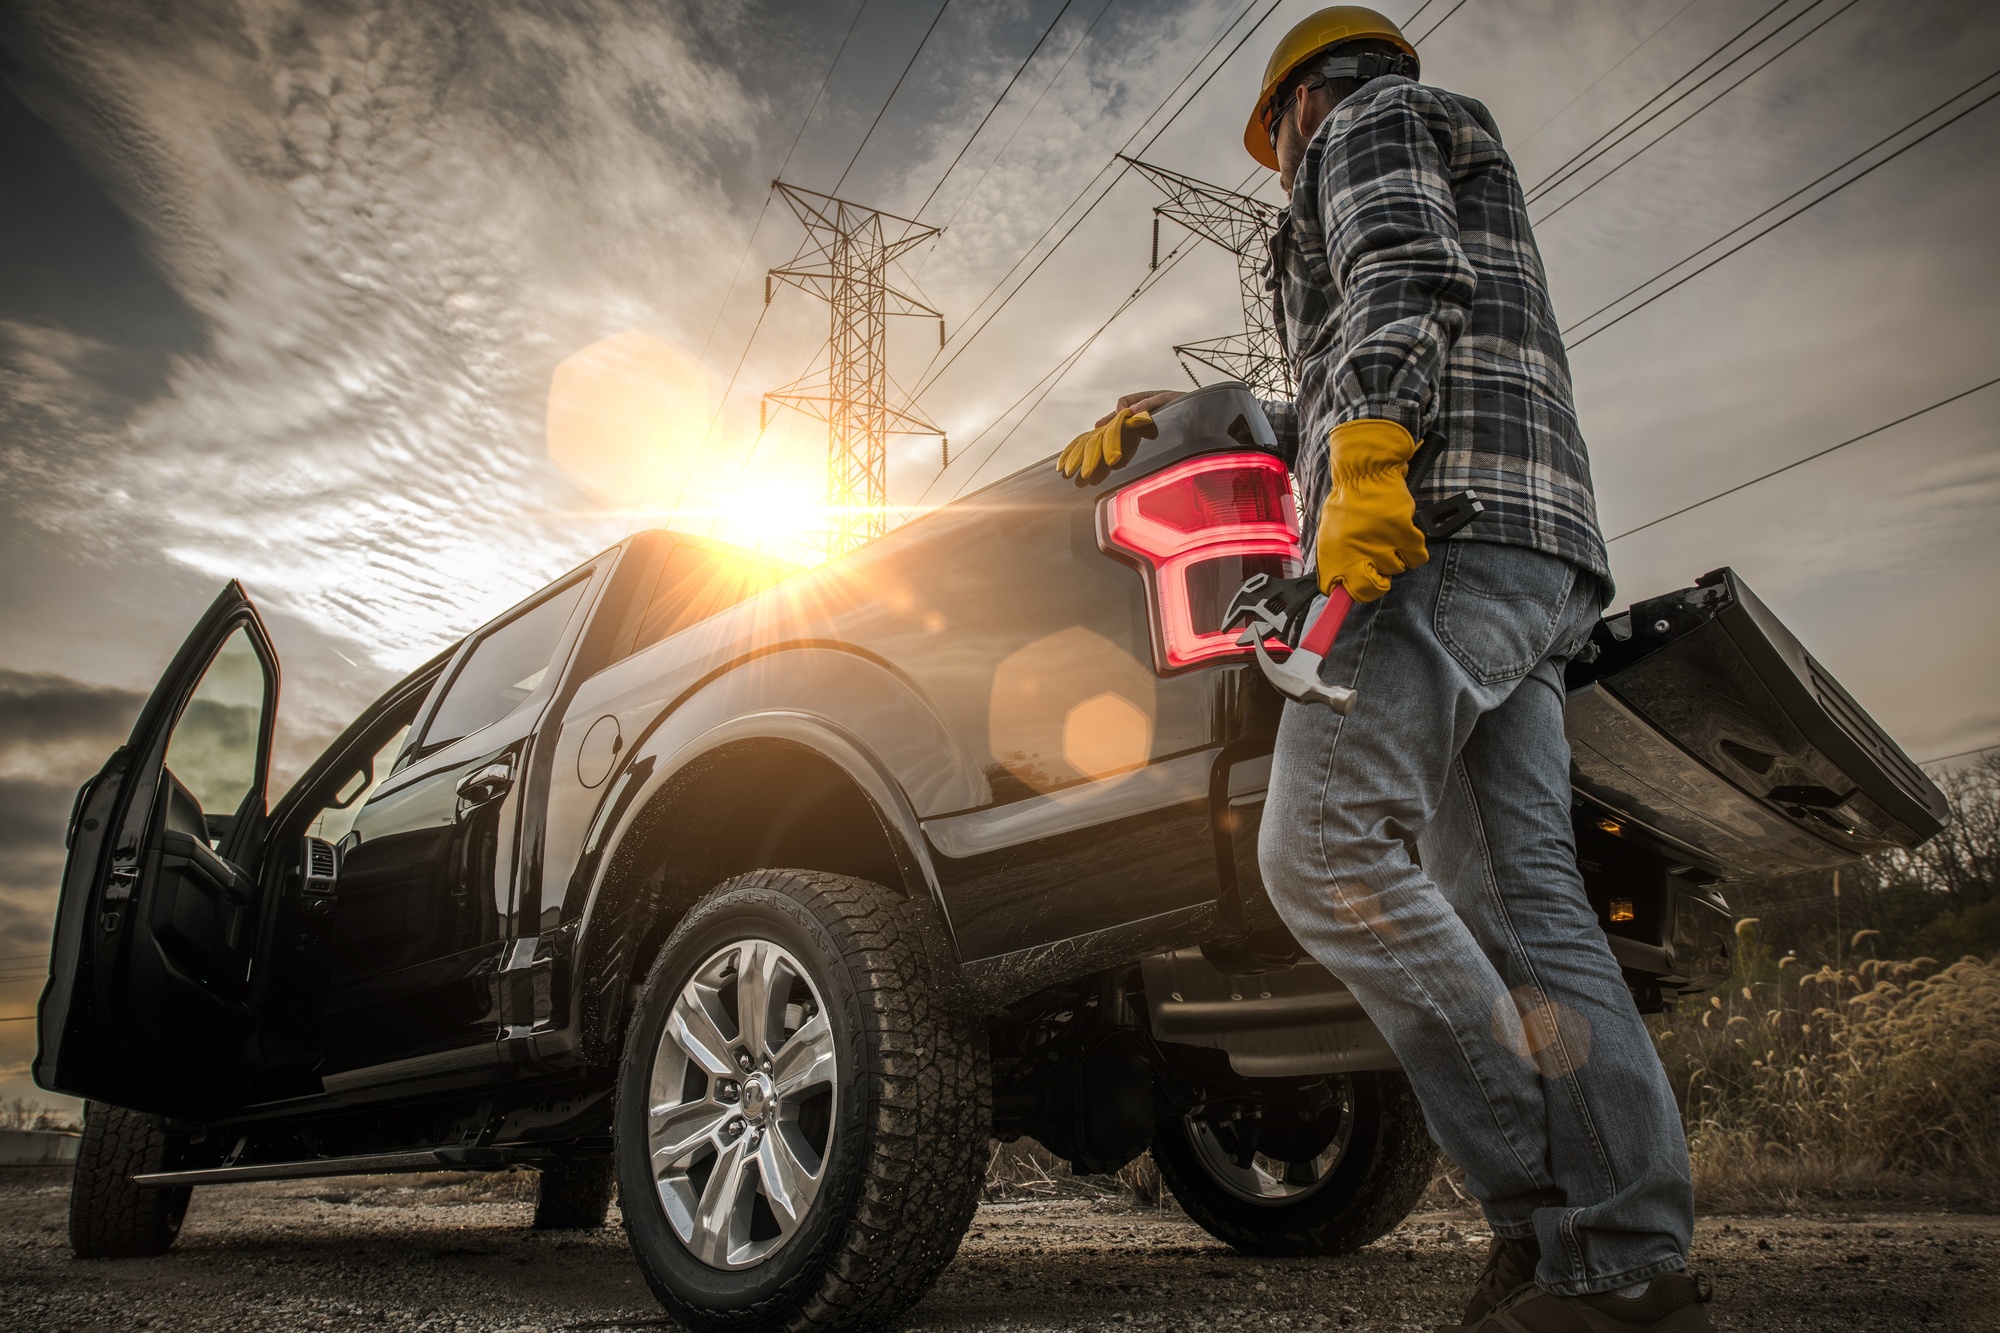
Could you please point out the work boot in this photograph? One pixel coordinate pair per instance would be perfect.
(1672, 1303)
(1510, 1264)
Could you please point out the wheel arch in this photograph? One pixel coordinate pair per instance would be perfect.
(769, 790)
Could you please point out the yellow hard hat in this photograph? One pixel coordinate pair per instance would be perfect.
(1316, 32)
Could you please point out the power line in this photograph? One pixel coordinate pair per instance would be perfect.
(1533, 191)
(931, 377)
(741, 259)
(1056, 373)
(1801, 462)
(1536, 132)
(1977, 749)
(1430, 31)
(1687, 277)
(897, 87)
(1063, 367)
(1052, 377)
(1033, 107)
(723, 403)
(990, 110)
(1698, 110)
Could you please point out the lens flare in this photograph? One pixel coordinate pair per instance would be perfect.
(626, 417)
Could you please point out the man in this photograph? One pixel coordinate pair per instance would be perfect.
(1421, 847)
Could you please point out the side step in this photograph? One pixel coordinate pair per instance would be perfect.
(439, 1159)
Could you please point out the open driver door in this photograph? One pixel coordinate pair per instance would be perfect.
(149, 999)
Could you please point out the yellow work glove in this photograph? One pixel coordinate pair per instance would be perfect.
(1368, 530)
(1111, 445)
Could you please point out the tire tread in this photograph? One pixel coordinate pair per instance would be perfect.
(109, 1216)
(926, 1141)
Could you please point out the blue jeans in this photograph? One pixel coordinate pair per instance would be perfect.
(1421, 849)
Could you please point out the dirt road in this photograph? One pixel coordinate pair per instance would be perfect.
(356, 1253)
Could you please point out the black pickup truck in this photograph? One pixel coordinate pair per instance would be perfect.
(771, 896)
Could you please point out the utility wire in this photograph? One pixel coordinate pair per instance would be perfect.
(1977, 749)
(751, 341)
(1536, 132)
(1063, 367)
(1039, 42)
(740, 261)
(1428, 32)
(1052, 377)
(891, 97)
(1532, 191)
(1696, 112)
(1801, 462)
(1749, 222)
(1056, 373)
(931, 377)
(1416, 14)
(751, 452)
(1034, 107)
(756, 226)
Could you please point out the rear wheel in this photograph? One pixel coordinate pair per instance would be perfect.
(803, 1111)
(109, 1216)
(575, 1194)
(1297, 1174)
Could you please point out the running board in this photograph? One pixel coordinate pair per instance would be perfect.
(440, 1159)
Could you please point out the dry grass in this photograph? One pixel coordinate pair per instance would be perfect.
(1025, 1169)
(1877, 1081)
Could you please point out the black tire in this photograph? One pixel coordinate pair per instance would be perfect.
(575, 1194)
(109, 1216)
(1383, 1169)
(905, 1114)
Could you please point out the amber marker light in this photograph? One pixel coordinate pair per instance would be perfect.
(1621, 909)
(1610, 826)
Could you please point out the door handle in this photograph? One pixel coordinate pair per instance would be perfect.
(485, 785)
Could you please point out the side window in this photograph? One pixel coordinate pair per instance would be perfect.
(697, 584)
(505, 667)
(337, 816)
(215, 750)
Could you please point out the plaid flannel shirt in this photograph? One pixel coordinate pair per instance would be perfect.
(1409, 289)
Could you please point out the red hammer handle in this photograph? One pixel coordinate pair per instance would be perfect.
(1319, 639)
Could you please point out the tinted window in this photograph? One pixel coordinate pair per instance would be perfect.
(505, 667)
(696, 584)
(214, 750)
(337, 816)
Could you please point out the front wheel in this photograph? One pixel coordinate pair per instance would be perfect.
(109, 1216)
(1321, 1170)
(803, 1111)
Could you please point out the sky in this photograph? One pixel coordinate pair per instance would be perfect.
(338, 298)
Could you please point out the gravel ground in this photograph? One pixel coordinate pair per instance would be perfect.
(452, 1254)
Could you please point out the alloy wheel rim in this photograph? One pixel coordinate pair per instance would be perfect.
(741, 1105)
(1269, 1180)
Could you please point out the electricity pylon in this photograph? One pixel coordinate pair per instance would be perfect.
(1242, 226)
(847, 255)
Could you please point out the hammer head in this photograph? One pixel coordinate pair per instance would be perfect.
(1297, 677)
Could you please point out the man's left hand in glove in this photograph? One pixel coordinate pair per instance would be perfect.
(1367, 529)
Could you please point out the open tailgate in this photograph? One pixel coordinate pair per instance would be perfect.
(1704, 720)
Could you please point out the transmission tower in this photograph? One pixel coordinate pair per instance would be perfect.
(845, 262)
(1242, 226)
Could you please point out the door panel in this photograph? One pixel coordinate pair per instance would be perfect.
(156, 930)
(426, 870)
(421, 920)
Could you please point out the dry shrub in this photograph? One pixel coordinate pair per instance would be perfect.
(1024, 1169)
(1873, 1081)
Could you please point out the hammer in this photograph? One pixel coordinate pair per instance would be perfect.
(1277, 608)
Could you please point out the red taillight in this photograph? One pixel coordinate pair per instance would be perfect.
(1198, 529)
